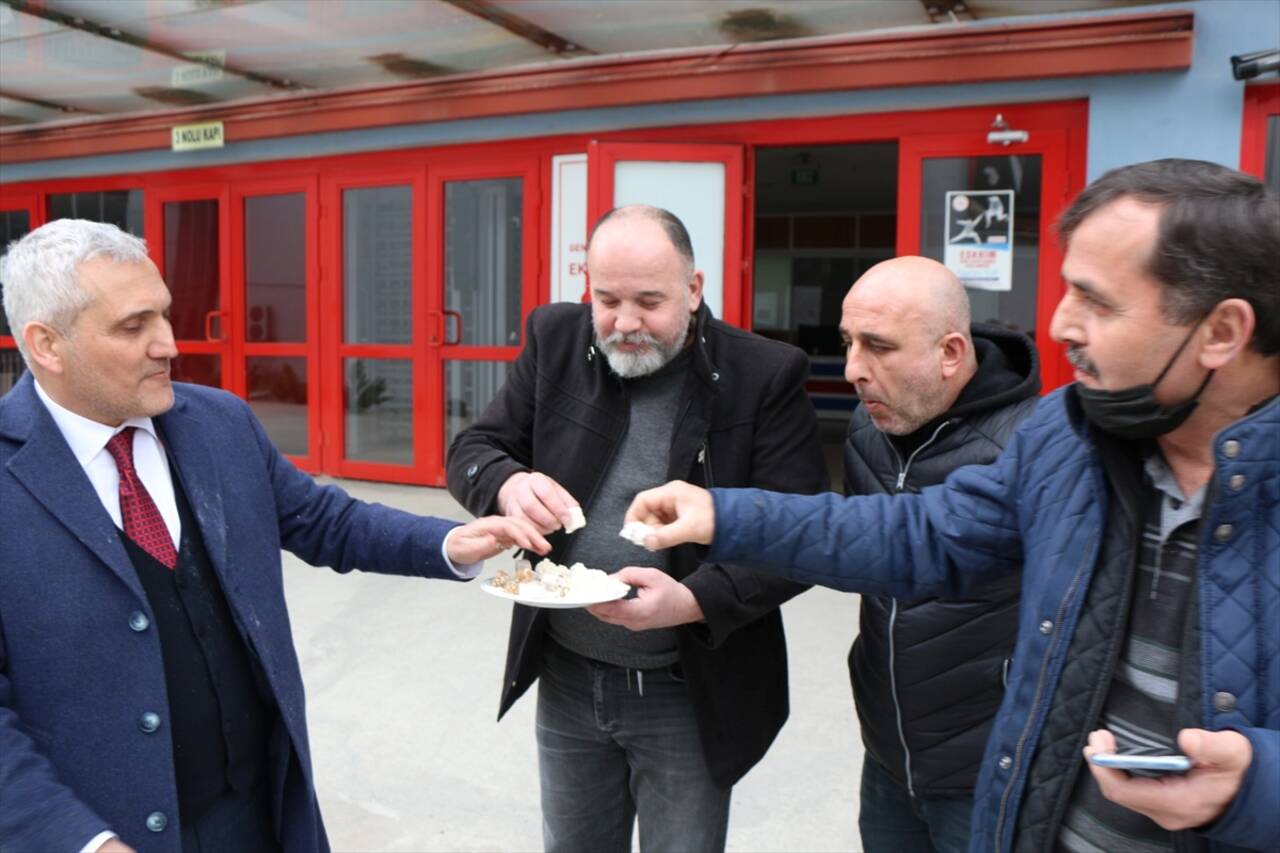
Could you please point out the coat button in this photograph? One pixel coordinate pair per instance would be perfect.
(1005, 762)
(1223, 532)
(1224, 701)
(156, 821)
(149, 722)
(715, 377)
(1231, 448)
(1046, 627)
(138, 621)
(471, 472)
(1237, 482)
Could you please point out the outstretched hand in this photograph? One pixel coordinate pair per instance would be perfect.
(661, 602)
(491, 535)
(681, 512)
(1192, 799)
(536, 498)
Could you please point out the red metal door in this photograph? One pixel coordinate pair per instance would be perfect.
(273, 313)
(187, 231)
(948, 184)
(482, 282)
(373, 358)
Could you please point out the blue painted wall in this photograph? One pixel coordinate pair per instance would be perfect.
(1193, 113)
(1196, 113)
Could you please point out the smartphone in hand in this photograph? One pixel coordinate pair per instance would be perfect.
(1144, 763)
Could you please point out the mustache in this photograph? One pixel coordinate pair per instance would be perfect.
(633, 338)
(1080, 361)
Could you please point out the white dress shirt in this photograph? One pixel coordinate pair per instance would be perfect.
(88, 442)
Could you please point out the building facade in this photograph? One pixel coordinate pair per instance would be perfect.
(359, 266)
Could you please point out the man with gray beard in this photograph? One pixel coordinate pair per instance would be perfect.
(654, 706)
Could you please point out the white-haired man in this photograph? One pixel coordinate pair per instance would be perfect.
(150, 696)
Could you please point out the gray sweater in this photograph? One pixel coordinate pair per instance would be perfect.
(640, 463)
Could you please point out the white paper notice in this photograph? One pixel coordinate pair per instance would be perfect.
(980, 238)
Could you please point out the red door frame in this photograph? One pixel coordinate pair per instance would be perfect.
(335, 351)
(331, 173)
(1261, 101)
(241, 348)
(603, 157)
(1056, 190)
(440, 349)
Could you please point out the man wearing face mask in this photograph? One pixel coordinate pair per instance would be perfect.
(1141, 505)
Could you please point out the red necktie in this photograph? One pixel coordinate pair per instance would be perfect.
(142, 521)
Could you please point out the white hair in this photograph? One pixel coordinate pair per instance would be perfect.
(40, 272)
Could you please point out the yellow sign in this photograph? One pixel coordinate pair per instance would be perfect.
(190, 137)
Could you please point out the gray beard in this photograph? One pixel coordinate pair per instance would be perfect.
(630, 365)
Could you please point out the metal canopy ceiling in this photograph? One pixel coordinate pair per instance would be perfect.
(72, 59)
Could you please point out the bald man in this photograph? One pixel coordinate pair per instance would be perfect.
(936, 393)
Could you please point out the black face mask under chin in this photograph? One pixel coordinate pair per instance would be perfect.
(1134, 413)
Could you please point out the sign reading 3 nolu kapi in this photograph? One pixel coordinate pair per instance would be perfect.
(980, 238)
(188, 137)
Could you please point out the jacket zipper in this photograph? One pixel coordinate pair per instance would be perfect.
(893, 615)
(704, 456)
(1039, 694)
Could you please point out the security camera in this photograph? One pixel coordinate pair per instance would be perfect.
(1246, 66)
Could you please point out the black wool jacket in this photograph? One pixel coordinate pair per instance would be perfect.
(928, 676)
(743, 420)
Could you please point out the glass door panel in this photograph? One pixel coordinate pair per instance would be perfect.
(275, 268)
(469, 386)
(702, 185)
(274, 318)
(377, 271)
(483, 230)
(378, 410)
(188, 244)
(977, 187)
(191, 264)
(276, 388)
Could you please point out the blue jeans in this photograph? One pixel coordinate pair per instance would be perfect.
(892, 821)
(616, 744)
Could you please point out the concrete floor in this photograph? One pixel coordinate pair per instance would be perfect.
(402, 684)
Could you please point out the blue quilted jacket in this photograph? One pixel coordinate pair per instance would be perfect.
(1040, 509)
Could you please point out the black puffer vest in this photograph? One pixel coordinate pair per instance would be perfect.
(928, 676)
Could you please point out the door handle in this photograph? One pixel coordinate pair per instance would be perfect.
(208, 326)
(456, 315)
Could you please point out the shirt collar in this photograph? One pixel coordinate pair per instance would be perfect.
(85, 437)
(1161, 477)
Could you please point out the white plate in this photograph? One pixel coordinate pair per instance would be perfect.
(534, 595)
